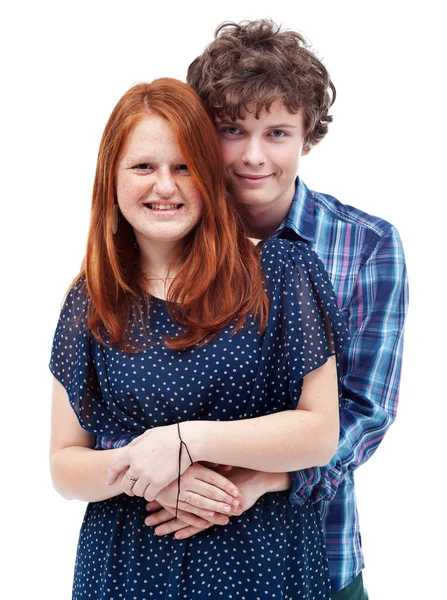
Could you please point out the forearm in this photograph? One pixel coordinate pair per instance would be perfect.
(80, 473)
(275, 482)
(285, 441)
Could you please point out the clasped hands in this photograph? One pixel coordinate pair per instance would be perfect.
(207, 497)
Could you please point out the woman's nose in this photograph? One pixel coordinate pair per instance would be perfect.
(164, 185)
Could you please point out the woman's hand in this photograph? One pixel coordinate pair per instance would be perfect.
(203, 492)
(152, 460)
(251, 485)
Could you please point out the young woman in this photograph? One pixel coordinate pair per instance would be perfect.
(182, 342)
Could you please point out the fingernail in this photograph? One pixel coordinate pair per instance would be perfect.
(235, 503)
(227, 508)
(149, 522)
(178, 536)
(235, 493)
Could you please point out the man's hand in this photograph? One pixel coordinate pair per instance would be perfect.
(164, 518)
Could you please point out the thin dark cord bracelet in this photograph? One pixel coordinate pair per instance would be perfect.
(182, 443)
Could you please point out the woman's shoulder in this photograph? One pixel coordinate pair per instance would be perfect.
(279, 251)
(71, 338)
(282, 246)
(289, 264)
(75, 303)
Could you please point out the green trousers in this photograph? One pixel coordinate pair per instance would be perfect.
(354, 591)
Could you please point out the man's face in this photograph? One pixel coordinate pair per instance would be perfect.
(261, 156)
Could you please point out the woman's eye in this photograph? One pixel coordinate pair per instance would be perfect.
(183, 168)
(143, 167)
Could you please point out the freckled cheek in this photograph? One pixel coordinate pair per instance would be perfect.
(192, 197)
(129, 192)
(197, 209)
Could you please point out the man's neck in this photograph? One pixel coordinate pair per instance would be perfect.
(262, 221)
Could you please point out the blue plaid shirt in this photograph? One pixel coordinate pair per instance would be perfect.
(365, 261)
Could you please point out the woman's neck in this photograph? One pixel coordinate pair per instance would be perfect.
(156, 265)
(157, 258)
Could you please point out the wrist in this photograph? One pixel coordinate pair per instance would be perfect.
(275, 482)
(193, 434)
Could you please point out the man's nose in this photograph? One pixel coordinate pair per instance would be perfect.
(253, 152)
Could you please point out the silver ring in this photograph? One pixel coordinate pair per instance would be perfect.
(131, 479)
(188, 499)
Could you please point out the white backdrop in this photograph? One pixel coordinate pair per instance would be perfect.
(65, 65)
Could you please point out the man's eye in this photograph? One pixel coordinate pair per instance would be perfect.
(277, 133)
(231, 130)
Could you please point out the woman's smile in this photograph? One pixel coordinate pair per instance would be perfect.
(156, 193)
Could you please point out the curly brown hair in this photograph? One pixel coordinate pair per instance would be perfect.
(256, 63)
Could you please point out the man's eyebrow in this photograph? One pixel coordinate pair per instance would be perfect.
(225, 120)
(279, 125)
(229, 121)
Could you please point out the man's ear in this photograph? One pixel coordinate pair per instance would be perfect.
(306, 149)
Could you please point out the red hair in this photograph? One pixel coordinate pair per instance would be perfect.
(219, 278)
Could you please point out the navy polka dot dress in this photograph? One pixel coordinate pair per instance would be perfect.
(274, 550)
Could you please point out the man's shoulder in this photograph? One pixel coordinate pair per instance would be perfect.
(333, 211)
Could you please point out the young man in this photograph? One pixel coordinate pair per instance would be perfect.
(269, 96)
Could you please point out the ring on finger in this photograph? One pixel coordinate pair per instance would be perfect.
(188, 500)
(131, 479)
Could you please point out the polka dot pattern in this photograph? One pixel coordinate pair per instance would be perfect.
(274, 550)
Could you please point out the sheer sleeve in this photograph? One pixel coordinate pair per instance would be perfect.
(304, 309)
(72, 364)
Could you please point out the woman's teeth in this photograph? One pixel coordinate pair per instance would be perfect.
(163, 206)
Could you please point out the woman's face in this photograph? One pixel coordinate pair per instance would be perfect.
(156, 193)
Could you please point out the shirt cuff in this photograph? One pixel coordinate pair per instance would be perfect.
(316, 484)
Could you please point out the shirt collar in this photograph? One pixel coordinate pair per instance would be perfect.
(300, 222)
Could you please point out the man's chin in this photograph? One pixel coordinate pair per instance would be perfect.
(244, 198)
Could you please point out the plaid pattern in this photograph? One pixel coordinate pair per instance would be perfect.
(365, 261)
